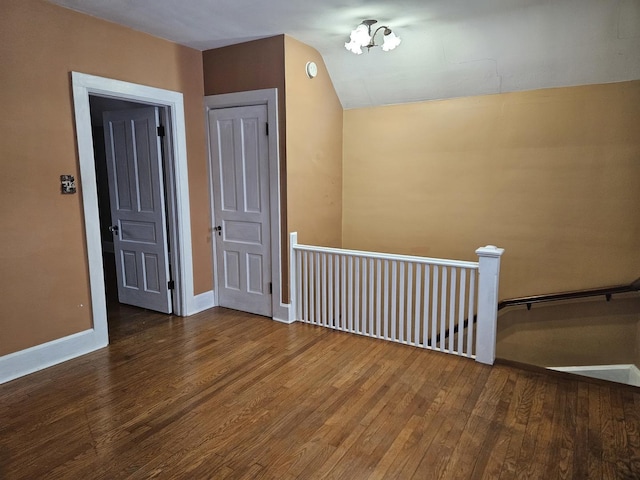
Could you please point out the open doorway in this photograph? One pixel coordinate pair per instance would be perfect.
(132, 165)
(178, 210)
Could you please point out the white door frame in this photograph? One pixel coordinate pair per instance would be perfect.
(268, 97)
(42, 356)
(179, 226)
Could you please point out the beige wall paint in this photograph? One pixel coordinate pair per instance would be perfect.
(314, 149)
(310, 117)
(552, 176)
(45, 281)
(592, 332)
(248, 66)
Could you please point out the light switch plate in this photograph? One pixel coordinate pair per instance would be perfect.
(67, 184)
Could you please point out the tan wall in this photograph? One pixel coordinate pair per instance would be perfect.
(314, 149)
(310, 117)
(553, 176)
(249, 66)
(254, 66)
(594, 332)
(45, 280)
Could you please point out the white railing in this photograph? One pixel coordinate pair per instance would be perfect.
(424, 302)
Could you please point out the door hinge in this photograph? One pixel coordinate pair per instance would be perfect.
(270, 288)
(266, 128)
(161, 130)
(171, 285)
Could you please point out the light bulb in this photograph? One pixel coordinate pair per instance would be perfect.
(390, 42)
(353, 47)
(361, 35)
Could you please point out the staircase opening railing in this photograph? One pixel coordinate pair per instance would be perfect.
(529, 301)
(592, 338)
(606, 292)
(399, 298)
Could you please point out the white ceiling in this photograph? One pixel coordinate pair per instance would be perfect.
(450, 48)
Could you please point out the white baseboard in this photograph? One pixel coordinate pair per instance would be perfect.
(284, 314)
(282, 320)
(48, 354)
(201, 302)
(623, 373)
(207, 300)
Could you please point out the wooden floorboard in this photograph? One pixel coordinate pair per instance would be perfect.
(224, 394)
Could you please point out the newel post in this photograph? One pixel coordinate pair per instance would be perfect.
(293, 281)
(489, 272)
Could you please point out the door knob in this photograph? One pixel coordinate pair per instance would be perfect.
(218, 229)
(114, 229)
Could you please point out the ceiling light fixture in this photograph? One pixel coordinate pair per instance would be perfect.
(361, 38)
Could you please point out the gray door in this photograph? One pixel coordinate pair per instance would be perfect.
(136, 191)
(240, 171)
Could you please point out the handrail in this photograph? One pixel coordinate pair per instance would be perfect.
(551, 297)
(388, 256)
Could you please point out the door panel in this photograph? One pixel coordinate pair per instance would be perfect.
(239, 152)
(137, 207)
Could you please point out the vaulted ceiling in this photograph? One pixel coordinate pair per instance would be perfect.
(450, 48)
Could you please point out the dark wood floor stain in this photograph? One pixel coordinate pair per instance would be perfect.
(225, 394)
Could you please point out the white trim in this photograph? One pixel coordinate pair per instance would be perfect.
(288, 321)
(268, 97)
(201, 302)
(291, 312)
(42, 356)
(388, 256)
(83, 86)
(622, 373)
(48, 354)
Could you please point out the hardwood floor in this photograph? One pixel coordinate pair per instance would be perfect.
(225, 394)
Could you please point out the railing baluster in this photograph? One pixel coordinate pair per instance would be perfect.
(452, 308)
(371, 297)
(356, 296)
(350, 295)
(416, 315)
(471, 312)
(461, 299)
(306, 286)
(409, 303)
(363, 320)
(317, 295)
(336, 293)
(394, 298)
(299, 285)
(378, 297)
(324, 289)
(312, 288)
(343, 287)
(330, 291)
(385, 320)
(434, 309)
(429, 303)
(443, 308)
(401, 299)
(425, 315)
